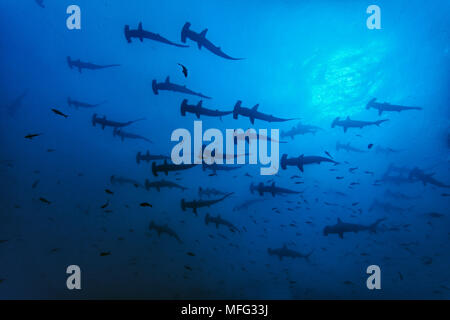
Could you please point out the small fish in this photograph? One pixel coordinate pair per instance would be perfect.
(355, 204)
(109, 191)
(339, 178)
(185, 70)
(400, 275)
(32, 135)
(3, 241)
(352, 169)
(146, 204)
(445, 194)
(51, 150)
(190, 254)
(188, 268)
(44, 200)
(59, 113)
(1, 280)
(328, 154)
(106, 253)
(370, 146)
(105, 205)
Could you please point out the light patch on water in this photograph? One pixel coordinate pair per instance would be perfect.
(342, 84)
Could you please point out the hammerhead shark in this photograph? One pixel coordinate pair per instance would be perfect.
(348, 123)
(123, 134)
(200, 110)
(386, 107)
(347, 147)
(79, 104)
(123, 180)
(168, 86)
(87, 65)
(201, 40)
(16, 104)
(209, 192)
(109, 123)
(149, 157)
(141, 34)
(40, 3)
(219, 221)
(253, 114)
(385, 150)
(302, 161)
(162, 184)
(242, 136)
(385, 206)
(299, 129)
(195, 204)
(341, 227)
(261, 188)
(419, 175)
(284, 252)
(247, 203)
(164, 229)
(166, 167)
(214, 167)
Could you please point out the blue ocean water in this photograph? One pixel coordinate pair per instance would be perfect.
(312, 60)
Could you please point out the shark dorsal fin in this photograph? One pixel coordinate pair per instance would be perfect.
(203, 33)
(339, 220)
(167, 79)
(140, 26)
(255, 107)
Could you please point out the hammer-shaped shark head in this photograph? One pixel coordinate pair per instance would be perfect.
(370, 103)
(335, 121)
(184, 31)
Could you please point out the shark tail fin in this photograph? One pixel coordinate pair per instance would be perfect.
(374, 226)
(127, 33)
(381, 121)
(184, 32)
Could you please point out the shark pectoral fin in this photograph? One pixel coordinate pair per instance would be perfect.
(79, 69)
(217, 226)
(280, 257)
(341, 235)
(199, 44)
(380, 112)
(158, 188)
(300, 166)
(345, 129)
(273, 194)
(198, 115)
(252, 120)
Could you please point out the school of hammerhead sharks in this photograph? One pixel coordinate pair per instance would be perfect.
(161, 164)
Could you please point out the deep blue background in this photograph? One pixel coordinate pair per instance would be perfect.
(315, 60)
